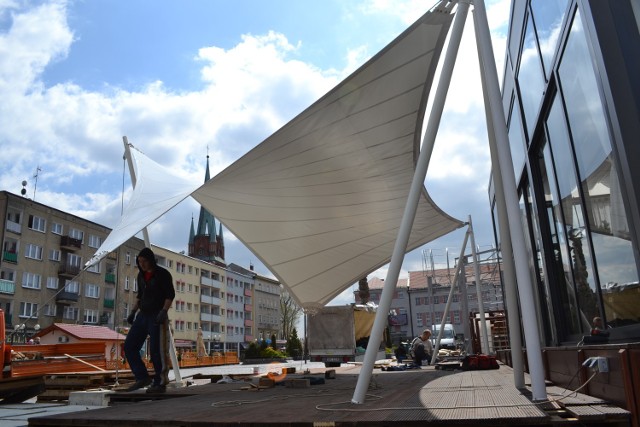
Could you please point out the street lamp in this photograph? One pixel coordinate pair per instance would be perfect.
(410, 315)
(18, 332)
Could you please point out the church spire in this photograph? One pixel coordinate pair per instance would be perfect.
(204, 241)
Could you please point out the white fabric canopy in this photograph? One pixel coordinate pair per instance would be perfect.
(321, 200)
(157, 190)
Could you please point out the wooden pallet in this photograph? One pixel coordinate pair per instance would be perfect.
(60, 386)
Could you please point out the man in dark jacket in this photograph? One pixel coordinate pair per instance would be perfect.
(155, 295)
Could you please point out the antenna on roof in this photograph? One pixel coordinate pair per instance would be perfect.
(38, 170)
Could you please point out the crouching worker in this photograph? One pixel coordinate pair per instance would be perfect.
(421, 348)
(155, 295)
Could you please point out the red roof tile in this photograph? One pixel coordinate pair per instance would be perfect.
(89, 332)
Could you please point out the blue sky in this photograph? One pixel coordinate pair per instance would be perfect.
(181, 79)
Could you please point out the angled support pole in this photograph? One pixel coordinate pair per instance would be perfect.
(508, 265)
(411, 207)
(499, 126)
(476, 272)
(459, 268)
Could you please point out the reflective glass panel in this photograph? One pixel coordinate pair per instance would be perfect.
(604, 207)
(548, 16)
(530, 78)
(516, 141)
(573, 321)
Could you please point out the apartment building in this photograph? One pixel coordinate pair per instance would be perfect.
(42, 280)
(265, 319)
(420, 300)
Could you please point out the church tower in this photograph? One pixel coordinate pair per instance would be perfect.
(205, 243)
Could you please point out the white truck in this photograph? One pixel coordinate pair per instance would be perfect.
(333, 332)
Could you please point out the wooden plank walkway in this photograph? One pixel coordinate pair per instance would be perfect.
(395, 398)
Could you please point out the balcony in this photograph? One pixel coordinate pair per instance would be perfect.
(10, 257)
(248, 322)
(206, 299)
(69, 271)
(248, 307)
(70, 244)
(7, 287)
(14, 227)
(206, 281)
(207, 317)
(67, 297)
(108, 303)
(110, 278)
(248, 338)
(248, 293)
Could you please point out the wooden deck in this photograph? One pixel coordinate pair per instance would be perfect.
(395, 398)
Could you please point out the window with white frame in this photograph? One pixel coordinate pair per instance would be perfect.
(95, 268)
(72, 287)
(94, 241)
(56, 228)
(74, 233)
(28, 309)
(92, 291)
(127, 258)
(126, 283)
(54, 255)
(74, 260)
(50, 310)
(30, 280)
(37, 223)
(70, 313)
(90, 316)
(135, 284)
(52, 282)
(33, 251)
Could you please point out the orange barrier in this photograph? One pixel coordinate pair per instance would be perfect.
(57, 365)
(190, 359)
(49, 350)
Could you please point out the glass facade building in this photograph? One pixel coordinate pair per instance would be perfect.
(571, 99)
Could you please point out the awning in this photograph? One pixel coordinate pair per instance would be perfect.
(320, 201)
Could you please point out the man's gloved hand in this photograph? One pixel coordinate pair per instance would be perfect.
(162, 316)
(131, 317)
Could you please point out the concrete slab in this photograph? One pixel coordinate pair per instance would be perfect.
(17, 415)
(90, 398)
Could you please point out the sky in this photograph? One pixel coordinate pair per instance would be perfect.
(183, 80)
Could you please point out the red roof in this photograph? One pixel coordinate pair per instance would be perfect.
(84, 332)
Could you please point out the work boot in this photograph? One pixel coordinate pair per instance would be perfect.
(139, 384)
(157, 388)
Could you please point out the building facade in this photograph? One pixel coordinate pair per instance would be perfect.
(420, 301)
(42, 281)
(571, 98)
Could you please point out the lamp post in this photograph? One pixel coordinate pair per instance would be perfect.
(19, 333)
(410, 315)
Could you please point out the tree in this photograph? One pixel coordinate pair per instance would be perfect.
(290, 313)
(363, 290)
(294, 346)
